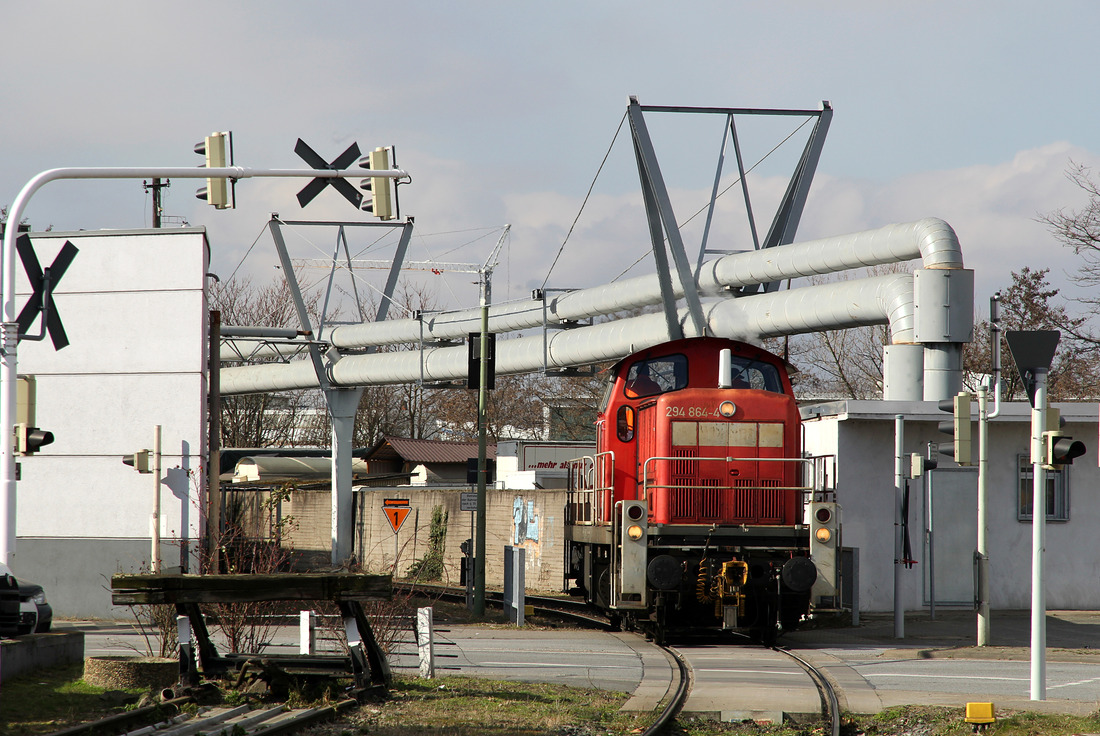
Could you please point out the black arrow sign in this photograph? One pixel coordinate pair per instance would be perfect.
(43, 282)
(341, 162)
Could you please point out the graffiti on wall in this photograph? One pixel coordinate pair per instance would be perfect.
(525, 522)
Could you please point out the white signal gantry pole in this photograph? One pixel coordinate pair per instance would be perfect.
(9, 338)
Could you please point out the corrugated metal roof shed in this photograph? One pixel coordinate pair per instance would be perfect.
(427, 451)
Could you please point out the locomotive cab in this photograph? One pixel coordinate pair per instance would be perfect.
(703, 436)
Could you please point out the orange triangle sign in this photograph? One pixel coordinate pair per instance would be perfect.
(396, 511)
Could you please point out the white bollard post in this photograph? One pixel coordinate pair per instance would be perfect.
(425, 637)
(307, 632)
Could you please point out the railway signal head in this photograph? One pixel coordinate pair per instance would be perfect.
(633, 548)
(1059, 450)
(29, 440)
(824, 544)
(958, 426)
(381, 187)
(139, 461)
(217, 149)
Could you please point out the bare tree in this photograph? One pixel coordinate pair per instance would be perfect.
(267, 419)
(843, 363)
(515, 410)
(1080, 230)
(1031, 303)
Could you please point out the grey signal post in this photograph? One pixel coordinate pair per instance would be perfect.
(1033, 351)
(9, 337)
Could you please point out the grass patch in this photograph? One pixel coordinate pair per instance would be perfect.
(465, 706)
(50, 700)
(909, 720)
(938, 721)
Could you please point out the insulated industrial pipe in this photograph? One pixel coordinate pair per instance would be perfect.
(931, 239)
(829, 306)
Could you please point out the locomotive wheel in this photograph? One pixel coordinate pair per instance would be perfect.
(603, 588)
(660, 629)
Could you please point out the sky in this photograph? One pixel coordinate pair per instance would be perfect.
(502, 112)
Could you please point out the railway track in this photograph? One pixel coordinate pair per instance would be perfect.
(243, 720)
(567, 608)
(579, 611)
(830, 704)
(167, 720)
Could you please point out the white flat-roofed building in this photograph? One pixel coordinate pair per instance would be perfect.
(943, 506)
(134, 309)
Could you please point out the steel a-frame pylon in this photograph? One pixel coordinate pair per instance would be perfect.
(663, 227)
(342, 402)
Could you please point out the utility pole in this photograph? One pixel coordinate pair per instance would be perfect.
(156, 186)
(482, 412)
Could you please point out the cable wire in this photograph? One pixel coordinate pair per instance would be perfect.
(702, 209)
(586, 196)
(241, 263)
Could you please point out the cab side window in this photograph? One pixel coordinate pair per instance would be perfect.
(656, 376)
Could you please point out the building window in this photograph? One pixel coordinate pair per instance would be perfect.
(1057, 491)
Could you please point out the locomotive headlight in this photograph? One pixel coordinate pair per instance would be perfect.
(727, 409)
(823, 535)
(634, 532)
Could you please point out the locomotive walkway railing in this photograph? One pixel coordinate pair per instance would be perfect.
(591, 481)
(590, 484)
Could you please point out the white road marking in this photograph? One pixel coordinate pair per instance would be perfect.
(943, 677)
(751, 672)
(551, 664)
(1078, 682)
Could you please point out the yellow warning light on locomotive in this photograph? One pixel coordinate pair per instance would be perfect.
(823, 535)
(727, 409)
(634, 532)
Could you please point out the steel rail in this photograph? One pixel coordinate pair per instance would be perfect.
(567, 608)
(830, 705)
(672, 708)
(168, 708)
(266, 720)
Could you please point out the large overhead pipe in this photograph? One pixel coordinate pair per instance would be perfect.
(932, 308)
(931, 239)
(874, 300)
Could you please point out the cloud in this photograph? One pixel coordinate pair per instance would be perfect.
(993, 209)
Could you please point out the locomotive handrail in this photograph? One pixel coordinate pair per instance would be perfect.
(591, 481)
(592, 478)
(809, 462)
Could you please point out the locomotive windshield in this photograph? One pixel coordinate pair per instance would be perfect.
(756, 374)
(656, 376)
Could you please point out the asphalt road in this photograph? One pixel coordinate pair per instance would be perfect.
(991, 679)
(728, 679)
(577, 658)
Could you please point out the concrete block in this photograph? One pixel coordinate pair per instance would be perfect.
(38, 651)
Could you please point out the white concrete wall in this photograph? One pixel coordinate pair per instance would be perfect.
(134, 308)
(862, 436)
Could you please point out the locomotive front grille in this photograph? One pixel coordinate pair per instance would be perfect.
(743, 499)
(710, 499)
(771, 501)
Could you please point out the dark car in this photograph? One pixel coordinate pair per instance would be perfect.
(9, 603)
(23, 606)
(35, 613)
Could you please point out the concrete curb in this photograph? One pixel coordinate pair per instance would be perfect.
(658, 670)
(32, 652)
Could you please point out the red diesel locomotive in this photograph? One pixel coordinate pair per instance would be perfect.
(696, 509)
